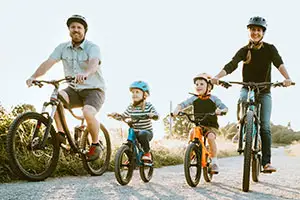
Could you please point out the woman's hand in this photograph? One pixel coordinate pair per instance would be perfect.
(287, 82)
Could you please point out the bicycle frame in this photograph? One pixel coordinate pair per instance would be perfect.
(137, 150)
(253, 106)
(198, 139)
(56, 103)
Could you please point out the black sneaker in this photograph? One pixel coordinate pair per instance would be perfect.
(61, 138)
(93, 153)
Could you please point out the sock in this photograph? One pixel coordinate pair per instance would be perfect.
(214, 160)
(61, 133)
(96, 144)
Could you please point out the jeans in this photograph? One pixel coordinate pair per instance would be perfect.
(265, 99)
(144, 137)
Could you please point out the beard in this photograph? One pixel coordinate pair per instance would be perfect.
(77, 38)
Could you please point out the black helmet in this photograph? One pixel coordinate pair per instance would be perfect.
(78, 18)
(258, 21)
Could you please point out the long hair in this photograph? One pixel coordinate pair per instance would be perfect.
(252, 45)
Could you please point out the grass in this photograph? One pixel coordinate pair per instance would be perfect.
(166, 152)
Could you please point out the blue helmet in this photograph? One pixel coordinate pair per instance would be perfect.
(140, 85)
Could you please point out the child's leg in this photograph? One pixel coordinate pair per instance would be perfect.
(144, 137)
(211, 138)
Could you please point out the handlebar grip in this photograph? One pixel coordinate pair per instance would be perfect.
(224, 84)
(223, 113)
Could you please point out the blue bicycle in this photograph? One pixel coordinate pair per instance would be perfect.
(130, 153)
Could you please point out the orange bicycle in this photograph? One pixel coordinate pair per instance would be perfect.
(197, 154)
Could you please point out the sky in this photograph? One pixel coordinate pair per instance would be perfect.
(163, 42)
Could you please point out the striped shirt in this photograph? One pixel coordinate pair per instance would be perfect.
(136, 112)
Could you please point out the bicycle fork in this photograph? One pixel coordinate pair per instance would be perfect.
(36, 143)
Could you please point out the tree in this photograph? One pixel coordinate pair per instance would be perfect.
(180, 125)
(19, 109)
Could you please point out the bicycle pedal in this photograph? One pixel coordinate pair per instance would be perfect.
(149, 164)
(266, 172)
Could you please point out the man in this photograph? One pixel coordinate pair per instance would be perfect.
(81, 59)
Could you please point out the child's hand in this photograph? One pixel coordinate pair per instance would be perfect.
(176, 111)
(114, 115)
(150, 115)
(220, 111)
(153, 116)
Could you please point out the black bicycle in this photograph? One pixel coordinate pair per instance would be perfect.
(249, 135)
(33, 147)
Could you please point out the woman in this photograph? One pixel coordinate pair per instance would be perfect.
(257, 57)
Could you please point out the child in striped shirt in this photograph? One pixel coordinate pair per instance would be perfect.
(145, 112)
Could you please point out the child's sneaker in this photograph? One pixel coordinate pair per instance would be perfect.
(147, 157)
(214, 169)
(93, 153)
(235, 138)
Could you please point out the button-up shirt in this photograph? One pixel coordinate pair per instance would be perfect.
(75, 60)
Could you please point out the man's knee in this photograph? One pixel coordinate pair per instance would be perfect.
(89, 112)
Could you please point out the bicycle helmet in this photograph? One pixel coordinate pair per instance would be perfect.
(206, 77)
(257, 21)
(140, 85)
(78, 18)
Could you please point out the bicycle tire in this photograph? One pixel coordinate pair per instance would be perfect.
(192, 152)
(146, 176)
(248, 150)
(29, 169)
(206, 171)
(119, 164)
(256, 167)
(99, 166)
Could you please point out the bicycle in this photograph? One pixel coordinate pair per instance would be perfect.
(130, 153)
(197, 154)
(249, 130)
(33, 147)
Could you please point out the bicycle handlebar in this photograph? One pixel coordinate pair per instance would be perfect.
(53, 82)
(128, 119)
(196, 121)
(262, 84)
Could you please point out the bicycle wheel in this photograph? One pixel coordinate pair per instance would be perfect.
(247, 150)
(256, 167)
(26, 159)
(124, 165)
(192, 164)
(146, 170)
(99, 166)
(206, 170)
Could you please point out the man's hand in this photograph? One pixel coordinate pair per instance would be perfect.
(287, 82)
(80, 78)
(29, 81)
